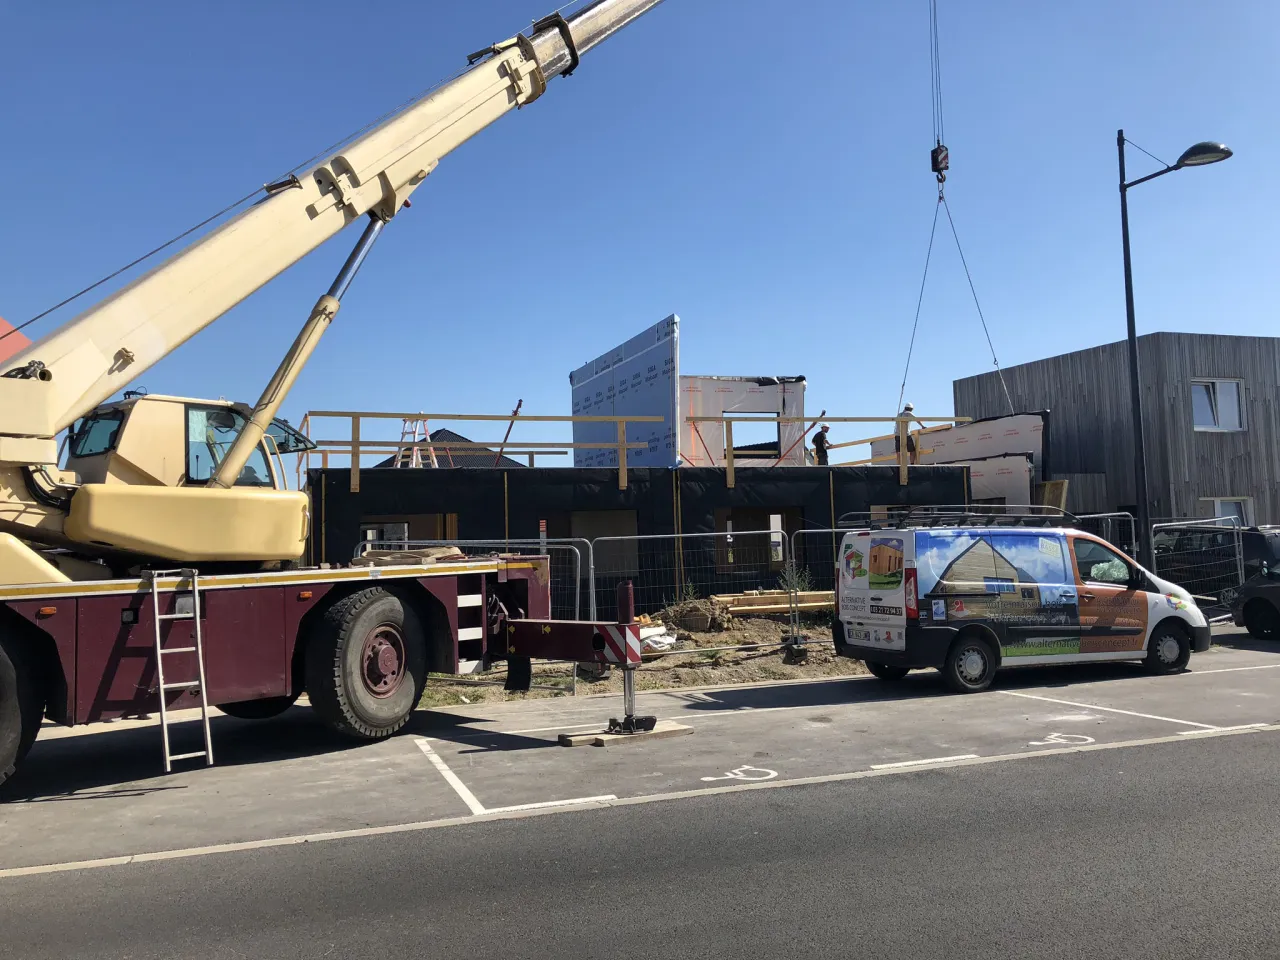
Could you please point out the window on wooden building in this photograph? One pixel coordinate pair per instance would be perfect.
(1215, 405)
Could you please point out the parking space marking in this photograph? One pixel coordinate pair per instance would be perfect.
(479, 809)
(747, 773)
(1076, 738)
(460, 788)
(1094, 706)
(1239, 726)
(360, 832)
(1256, 666)
(548, 804)
(920, 763)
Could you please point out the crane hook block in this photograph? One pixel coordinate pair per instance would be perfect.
(940, 161)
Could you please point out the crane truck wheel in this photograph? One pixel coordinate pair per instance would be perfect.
(367, 664)
(21, 704)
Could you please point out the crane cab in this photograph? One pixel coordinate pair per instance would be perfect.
(174, 441)
(142, 468)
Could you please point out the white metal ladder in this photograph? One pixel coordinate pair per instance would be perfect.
(161, 651)
(413, 430)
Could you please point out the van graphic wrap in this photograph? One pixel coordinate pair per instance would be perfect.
(1113, 613)
(852, 562)
(1044, 595)
(872, 591)
(886, 563)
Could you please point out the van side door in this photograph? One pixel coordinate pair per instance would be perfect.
(1038, 600)
(957, 577)
(1113, 611)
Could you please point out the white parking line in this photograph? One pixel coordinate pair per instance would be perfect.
(1239, 726)
(1257, 666)
(460, 788)
(1094, 706)
(477, 808)
(560, 807)
(547, 804)
(920, 763)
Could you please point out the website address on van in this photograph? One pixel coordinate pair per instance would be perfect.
(1045, 647)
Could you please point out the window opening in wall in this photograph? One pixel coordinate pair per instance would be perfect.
(1215, 405)
(752, 537)
(402, 530)
(1237, 507)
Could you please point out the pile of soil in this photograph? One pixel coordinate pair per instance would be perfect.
(696, 661)
(696, 616)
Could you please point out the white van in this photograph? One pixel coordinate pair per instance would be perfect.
(970, 599)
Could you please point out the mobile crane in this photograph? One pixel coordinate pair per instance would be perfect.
(92, 628)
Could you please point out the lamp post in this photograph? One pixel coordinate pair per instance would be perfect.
(1194, 156)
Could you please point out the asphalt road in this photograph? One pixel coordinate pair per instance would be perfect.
(1166, 850)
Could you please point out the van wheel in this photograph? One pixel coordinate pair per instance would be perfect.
(21, 704)
(970, 665)
(1261, 620)
(367, 664)
(1169, 649)
(885, 672)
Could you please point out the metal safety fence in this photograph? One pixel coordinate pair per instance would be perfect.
(1118, 529)
(1204, 556)
(813, 558)
(667, 569)
(570, 580)
(571, 567)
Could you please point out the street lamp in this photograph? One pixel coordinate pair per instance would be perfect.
(1194, 156)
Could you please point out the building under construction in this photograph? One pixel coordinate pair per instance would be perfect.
(520, 503)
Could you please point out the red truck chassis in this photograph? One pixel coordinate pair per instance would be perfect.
(358, 640)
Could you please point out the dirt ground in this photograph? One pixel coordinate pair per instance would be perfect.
(695, 662)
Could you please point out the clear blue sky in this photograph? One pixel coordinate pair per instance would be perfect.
(762, 173)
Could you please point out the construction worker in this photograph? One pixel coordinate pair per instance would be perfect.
(821, 443)
(908, 412)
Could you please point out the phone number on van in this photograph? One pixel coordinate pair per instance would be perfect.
(886, 611)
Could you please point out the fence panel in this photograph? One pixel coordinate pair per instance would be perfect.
(668, 568)
(1204, 556)
(570, 566)
(813, 553)
(1118, 529)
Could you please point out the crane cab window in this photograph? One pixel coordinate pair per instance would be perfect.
(97, 435)
(210, 433)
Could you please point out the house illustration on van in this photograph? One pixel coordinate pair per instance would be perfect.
(886, 557)
(884, 561)
(983, 569)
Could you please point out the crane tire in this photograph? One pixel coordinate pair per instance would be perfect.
(21, 704)
(366, 664)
